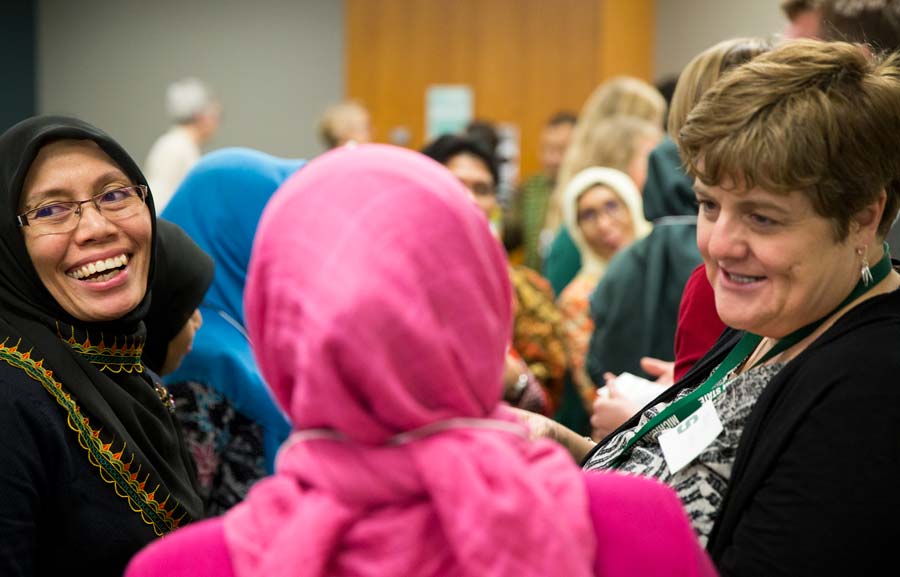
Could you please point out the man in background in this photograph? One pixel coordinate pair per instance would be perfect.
(804, 19)
(529, 207)
(346, 122)
(195, 116)
(876, 25)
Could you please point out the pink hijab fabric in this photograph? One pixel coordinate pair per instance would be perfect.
(378, 305)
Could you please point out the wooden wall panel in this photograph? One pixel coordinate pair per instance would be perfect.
(623, 48)
(525, 59)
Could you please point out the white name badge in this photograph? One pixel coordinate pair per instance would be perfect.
(682, 443)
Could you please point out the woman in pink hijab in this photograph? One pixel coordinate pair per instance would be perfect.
(378, 305)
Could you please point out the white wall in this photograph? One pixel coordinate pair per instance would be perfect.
(274, 64)
(685, 28)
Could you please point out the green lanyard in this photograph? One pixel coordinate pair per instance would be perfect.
(715, 384)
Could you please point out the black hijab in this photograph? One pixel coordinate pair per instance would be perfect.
(184, 274)
(93, 370)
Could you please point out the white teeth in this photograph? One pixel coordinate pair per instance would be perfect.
(742, 279)
(99, 266)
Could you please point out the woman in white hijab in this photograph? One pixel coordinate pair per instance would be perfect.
(603, 212)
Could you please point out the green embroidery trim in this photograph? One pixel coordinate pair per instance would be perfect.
(114, 359)
(127, 482)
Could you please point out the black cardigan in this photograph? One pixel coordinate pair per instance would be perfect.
(57, 515)
(815, 487)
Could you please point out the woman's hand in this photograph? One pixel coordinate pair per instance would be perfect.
(611, 409)
(541, 427)
(515, 378)
(664, 371)
(614, 407)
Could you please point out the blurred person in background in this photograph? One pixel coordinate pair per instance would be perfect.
(875, 26)
(666, 87)
(619, 96)
(485, 133)
(472, 162)
(183, 275)
(525, 218)
(622, 144)
(804, 19)
(346, 122)
(231, 423)
(195, 114)
(537, 336)
(603, 212)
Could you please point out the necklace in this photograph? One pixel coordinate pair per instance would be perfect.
(749, 361)
(165, 396)
(734, 370)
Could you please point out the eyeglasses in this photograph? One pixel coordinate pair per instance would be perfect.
(610, 208)
(482, 189)
(63, 217)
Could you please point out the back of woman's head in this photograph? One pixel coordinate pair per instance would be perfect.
(378, 300)
(704, 69)
(218, 205)
(619, 96)
(819, 118)
(379, 306)
(615, 141)
(342, 122)
(184, 273)
(446, 146)
(623, 96)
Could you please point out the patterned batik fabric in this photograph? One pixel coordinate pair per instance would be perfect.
(578, 326)
(538, 332)
(227, 446)
(701, 484)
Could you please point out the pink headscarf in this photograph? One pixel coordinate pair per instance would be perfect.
(378, 303)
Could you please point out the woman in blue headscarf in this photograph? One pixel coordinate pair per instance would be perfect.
(232, 425)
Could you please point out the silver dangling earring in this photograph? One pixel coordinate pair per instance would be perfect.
(865, 272)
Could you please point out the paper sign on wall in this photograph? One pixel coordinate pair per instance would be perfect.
(448, 109)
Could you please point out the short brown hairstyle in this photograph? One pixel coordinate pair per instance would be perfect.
(815, 117)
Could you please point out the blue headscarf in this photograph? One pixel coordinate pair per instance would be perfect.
(218, 205)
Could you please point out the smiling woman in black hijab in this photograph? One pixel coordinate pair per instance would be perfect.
(93, 466)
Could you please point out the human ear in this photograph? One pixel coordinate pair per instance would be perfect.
(865, 222)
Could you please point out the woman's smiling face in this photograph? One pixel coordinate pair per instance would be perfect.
(773, 262)
(68, 263)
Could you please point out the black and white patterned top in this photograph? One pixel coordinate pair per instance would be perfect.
(701, 484)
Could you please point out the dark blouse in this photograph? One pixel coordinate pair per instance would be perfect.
(57, 515)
